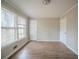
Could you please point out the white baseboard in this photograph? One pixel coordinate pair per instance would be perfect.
(58, 41)
(70, 48)
(15, 50)
(46, 40)
(42, 41)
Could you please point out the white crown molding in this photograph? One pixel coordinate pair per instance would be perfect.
(9, 5)
(69, 10)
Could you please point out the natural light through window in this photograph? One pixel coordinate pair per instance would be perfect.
(13, 27)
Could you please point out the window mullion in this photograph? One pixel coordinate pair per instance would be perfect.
(17, 28)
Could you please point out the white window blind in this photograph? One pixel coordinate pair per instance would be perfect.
(13, 27)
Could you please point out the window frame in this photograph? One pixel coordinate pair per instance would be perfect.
(16, 28)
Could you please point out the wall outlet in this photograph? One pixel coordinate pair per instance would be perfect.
(15, 47)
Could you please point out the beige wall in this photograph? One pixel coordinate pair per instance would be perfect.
(48, 29)
(72, 29)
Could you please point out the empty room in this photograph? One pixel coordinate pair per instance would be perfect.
(39, 29)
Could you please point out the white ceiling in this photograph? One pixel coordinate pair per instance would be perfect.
(35, 8)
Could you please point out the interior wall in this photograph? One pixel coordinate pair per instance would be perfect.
(48, 29)
(8, 50)
(72, 29)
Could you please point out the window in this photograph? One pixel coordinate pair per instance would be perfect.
(21, 28)
(13, 28)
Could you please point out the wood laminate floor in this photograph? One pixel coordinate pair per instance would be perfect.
(44, 50)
